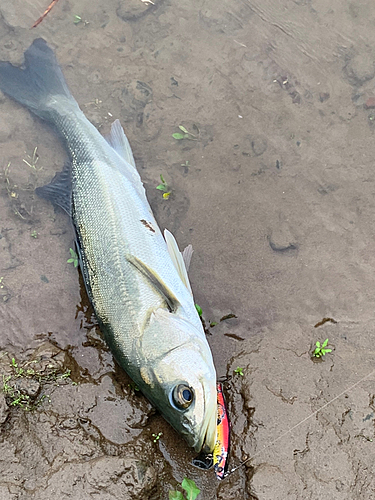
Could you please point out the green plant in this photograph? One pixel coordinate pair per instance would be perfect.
(186, 164)
(34, 234)
(321, 349)
(78, 20)
(239, 371)
(191, 491)
(133, 386)
(15, 397)
(65, 375)
(164, 187)
(73, 259)
(19, 371)
(199, 310)
(156, 436)
(186, 134)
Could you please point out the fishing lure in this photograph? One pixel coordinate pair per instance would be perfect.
(219, 458)
(221, 450)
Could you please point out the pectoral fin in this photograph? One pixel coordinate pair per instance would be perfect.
(156, 281)
(180, 261)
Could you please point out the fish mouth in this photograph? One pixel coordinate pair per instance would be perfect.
(207, 437)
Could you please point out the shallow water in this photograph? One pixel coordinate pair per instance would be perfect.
(277, 198)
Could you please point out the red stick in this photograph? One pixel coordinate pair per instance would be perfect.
(44, 13)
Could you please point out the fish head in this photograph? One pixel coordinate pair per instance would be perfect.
(180, 378)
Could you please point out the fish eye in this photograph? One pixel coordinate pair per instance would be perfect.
(182, 396)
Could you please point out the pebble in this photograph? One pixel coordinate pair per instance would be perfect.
(324, 96)
(28, 386)
(3, 408)
(370, 103)
(132, 10)
(360, 69)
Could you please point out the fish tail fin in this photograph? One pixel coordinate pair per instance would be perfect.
(37, 82)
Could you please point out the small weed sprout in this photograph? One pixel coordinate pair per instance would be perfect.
(185, 135)
(191, 491)
(15, 397)
(156, 437)
(164, 187)
(199, 310)
(18, 397)
(11, 189)
(34, 234)
(239, 371)
(19, 371)
(321, 349)
(133, 386)
(78, 20)
(32, 160)
(65, 375)
(73, 258)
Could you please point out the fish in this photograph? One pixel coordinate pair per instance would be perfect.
(135, 275)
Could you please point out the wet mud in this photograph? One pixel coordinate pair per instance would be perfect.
(276, 194)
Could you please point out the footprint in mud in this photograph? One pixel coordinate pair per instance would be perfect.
(133, 10)
(170, 213)
(133, 97)
(281, 239)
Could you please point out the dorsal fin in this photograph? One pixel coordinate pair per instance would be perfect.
(156, 281)
(120, 143)
(187, 255)
(177, 258)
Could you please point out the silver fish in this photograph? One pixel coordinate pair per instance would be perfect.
(135, 277)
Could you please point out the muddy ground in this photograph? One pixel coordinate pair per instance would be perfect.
(277, 197)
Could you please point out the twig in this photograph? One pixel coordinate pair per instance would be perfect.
(38, 21)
